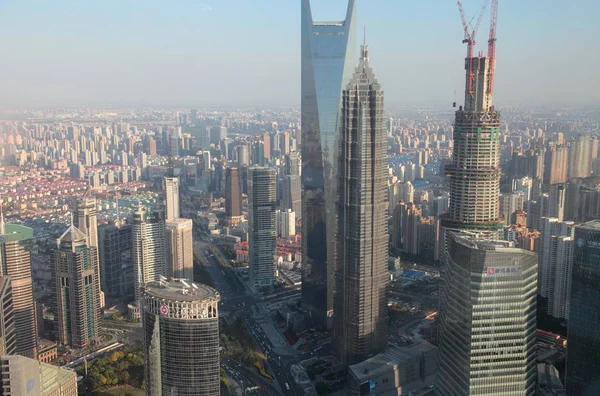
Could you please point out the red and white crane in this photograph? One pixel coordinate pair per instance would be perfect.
(492, 47)
(470, 41)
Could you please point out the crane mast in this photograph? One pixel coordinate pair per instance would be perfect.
(492, 47)
(469, 39)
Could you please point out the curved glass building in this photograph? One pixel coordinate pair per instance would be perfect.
(328, 62)
(181, 338)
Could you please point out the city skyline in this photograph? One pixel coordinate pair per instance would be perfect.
(139, 44)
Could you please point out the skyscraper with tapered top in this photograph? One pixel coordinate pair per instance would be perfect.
(76, 290)
(360, 306)
(327, 63)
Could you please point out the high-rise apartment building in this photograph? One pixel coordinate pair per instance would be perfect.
(8, 338)
(15, 259)
(327, 62)
(360, 304)
(291, 194)
(181, 338)
(487, 319)
(180, 246)
(556, 201)
(509, 204)
(149, 246)
(233, 192)
(559, 295)
(286, 223)
(172, 197)
(550, 229)
(116, 260)
(262, 226)
(583, 353)
(581, 154)
(556, 164)
(26, 376)
(76, 290)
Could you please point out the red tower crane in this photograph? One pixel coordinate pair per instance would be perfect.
(492, 47)
(470, 41)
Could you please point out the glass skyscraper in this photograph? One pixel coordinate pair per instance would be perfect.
(487, 319)
(583, 352)
(328, 60)
(360, 319)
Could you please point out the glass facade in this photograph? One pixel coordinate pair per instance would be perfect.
(115, 248)
(487, 319)
(181, 339)
(583, 352)
(327, 63)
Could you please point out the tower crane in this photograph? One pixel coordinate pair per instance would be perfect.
(470, 41)
(492, 47)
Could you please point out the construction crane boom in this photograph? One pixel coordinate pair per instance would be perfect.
(470, 41)
(492, 47)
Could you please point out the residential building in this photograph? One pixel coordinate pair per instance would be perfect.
(180, 247)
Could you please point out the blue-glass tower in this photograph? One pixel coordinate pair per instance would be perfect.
(328, 60)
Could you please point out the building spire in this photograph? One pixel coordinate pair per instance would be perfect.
(364, 48)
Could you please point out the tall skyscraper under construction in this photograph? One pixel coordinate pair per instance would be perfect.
(475, 172)
(327, 62)
(360, 318)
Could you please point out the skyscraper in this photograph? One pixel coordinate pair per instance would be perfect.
(550, 229)
(8, 338)
(149, 246)
(581, 151)
(583, 354)
(181, 338)
(180, 246)
(172, 197)
(15, 258)
(291, 194)
(262, 224)
(487, 319)
(474, 172)
(26, 376)
(85, 218)
(327, 62)
(76, 290)
(233, 193)
(360, 303)
(116, 261)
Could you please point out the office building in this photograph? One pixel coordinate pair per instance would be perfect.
(172, 197)
(76, 290)
(399, 370)
(487, 319)
(149, 246)
(180, 247)
(85, 218)
(116, 259)
(360, 320)
(8, 338)
(181, 338)
(262, 226)
(583, 353)
(26, 376)
(327, 62)
(233, 192)
(16, 242)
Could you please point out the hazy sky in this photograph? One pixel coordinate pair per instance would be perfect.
(247, 52)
